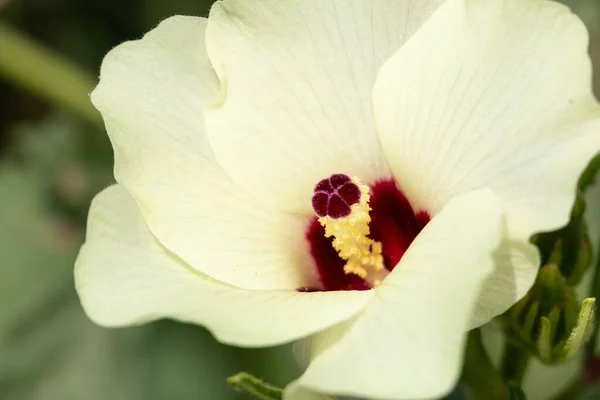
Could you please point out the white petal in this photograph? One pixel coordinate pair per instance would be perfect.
(294, 391)
(151, 94)
(493, 94)
(543, 382)
(297, 78)
(515, 269)
(124, 276)
(309, 348)
(408, 341)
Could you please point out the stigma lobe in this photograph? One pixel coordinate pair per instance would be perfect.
(334, 196)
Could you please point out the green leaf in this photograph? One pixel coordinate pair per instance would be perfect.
(515, 392)
(254, 386)
(588, 177)
(46, 73)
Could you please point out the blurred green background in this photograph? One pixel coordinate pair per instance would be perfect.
(54, 156)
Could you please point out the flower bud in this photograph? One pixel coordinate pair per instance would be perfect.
(549, 320)
(573, 255)
(579, 335)
(569, 249)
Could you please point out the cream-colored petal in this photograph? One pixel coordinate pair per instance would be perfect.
(296, 82)
(407, 343)
(493, 94)
(124, 276)
(151, 94)
(543, 382)
(515, 269)
(307, 349)
(294, 391)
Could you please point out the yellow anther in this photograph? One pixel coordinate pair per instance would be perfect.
(363, 255)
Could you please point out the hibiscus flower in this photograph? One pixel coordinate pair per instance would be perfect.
(362, 174)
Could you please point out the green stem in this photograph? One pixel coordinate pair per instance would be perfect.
(515, 361)
(35, 68)
(254, 386)
(478, 372)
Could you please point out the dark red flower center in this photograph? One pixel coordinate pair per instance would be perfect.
(394, 224)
